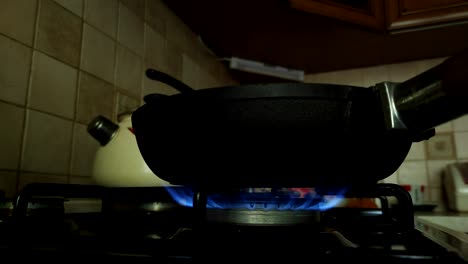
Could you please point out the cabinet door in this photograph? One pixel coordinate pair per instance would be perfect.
(368, 13)
(407, 14)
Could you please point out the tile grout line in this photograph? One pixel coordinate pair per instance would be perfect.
(45, 173)
(77, 95)
(428, 186)
(50, 114)
(143, 20)
(115, 40)
(47, 52)
(454, 145)
(143, 56)
(28, 95)
(143, 61)
(114, 84)
(16, 40)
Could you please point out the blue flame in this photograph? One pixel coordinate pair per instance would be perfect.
(265, 199)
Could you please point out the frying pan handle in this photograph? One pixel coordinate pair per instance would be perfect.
(156, 75)
(431, 98)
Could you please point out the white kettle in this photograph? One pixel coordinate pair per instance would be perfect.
(118, 162)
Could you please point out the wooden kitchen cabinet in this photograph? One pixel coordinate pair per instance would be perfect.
(389, 15)
(368, 13)
(406, 14)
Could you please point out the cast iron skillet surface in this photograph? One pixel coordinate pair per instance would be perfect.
(269, 135)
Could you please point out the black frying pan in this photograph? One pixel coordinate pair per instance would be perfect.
(294, 134)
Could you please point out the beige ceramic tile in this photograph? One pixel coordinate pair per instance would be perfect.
(8, 183)
(17, 19)
(76, 6)
(207, 59)
(59, 32)
(47, 146)
(26, 178)
(440, 146)
(103, 14)
(374, 75)
(430, 63)
(98, 55)
(136, 6)
(413, 172)
(324, 77)
(461, 124)
(400, 72)
(311, 78)
(435, 194)
(227, 78)
(173, 61)
(10, 136)
(197, 48)
(131, 30)
(81, 180)
(179, 34)
(435, 169)
(14, 70)
(353, 77)
(207, 80)
(84, 151)
(95, 98)
(397, 72)
(126, 104)
(461, 142)
(151, 86)
(392, 178)
(445, 127)
(155, 47)
(129, 71)
(216, 68)
(417, 151)
(53, 86)
(156, 11)
(190, 72)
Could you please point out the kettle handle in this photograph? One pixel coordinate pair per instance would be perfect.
(156, 75)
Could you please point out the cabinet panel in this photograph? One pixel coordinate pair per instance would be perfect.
(403, 14)
(367, 13)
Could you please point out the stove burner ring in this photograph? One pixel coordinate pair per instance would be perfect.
(263, 217)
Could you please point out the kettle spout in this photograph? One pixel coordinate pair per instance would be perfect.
(102, 129)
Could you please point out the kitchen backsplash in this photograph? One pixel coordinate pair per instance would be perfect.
(67, 61)
(426, 160)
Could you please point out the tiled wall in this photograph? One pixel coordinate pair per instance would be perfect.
(64, 62)
(426, 159)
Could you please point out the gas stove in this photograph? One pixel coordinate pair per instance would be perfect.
(184, 225)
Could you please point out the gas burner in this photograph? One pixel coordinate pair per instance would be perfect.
(299, 206)
(263, 206)
(263, 217)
